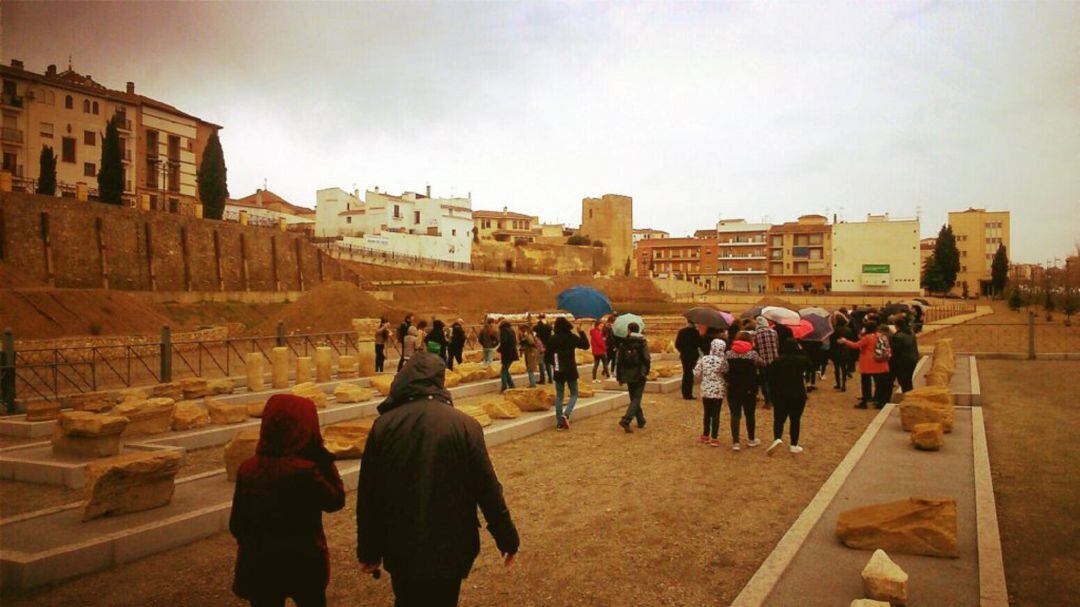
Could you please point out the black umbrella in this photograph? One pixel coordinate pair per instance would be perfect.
(895, 308)
(822, 327)
(706, 316)
(752, 312)
(923, 301)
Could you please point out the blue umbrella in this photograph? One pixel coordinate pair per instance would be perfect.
(584, 302)
(621, 326)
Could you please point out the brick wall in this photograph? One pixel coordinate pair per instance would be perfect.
(66, 243)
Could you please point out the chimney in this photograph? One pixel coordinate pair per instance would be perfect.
(17, 64)
(130, 88)
(51, 70)
(834, 217)
(505, 209)
(429, 190)
(258, 197)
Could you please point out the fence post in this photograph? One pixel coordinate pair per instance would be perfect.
(7, 372)
(280, 333)
(166, 354)
(1031, 335)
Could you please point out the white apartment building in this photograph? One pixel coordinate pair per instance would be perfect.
(879, 255)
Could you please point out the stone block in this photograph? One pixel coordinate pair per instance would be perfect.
(884, 580)
(347, 366)
(666, 371)
(530, 399)
(500, 408)
(131, 394)
(472, 356)
(451, 379)
(241, 447)
(189, 416)
(478, 413)
(303, 369)
(171, 390)
(88, 435)
(937, 378)
(470, 372)
(89, 401)
(323, 360)
(928, 436)
(225, 413)
(253, 369)
(517, 367)
(944, 357)
(661, 345)
(346, 440)
(193, 387)
(937, 394)
(916, 411)
(42, 410)
(311, 392)
(130, 483)
(913, 526)
(382, 383)
(222, 385)
(255, 409)
(279, 367)
(652, 375)
(150, 416)
(583, 357)
(868, 603)
(352, 393)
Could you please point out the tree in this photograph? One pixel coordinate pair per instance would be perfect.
(626, 267)
(932, 279)
(1069, 304)
(946, 258)
(213, 183)
(110, 175)
(578, 240)
(1048, 302)
(47, 180)
(1015, 300)
(999, 270)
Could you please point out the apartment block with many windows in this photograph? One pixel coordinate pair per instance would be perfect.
(800, 255)
(978, 234)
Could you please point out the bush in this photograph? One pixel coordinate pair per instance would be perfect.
(578, 241)
(597, 243)
(1015, 300)
(94, 328)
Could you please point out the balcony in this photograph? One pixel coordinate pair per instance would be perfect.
(741, 272)
(12, 135)
(741, 243)
(123, 124)
(11, 100)
(750, 257)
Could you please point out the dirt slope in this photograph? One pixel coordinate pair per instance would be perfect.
(50, 313)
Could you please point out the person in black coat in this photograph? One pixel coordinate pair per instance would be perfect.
(402, 331)
(457, 344)
(634, 364)
(438, 337)
(508, 353)
(688, 345)
(788, 393)
(843, 359)
(424, 472)
(563, 347)
(543, 333)
(905, 354)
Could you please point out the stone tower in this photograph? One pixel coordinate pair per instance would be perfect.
(610, 219)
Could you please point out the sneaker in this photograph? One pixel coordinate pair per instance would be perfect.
(626, 427)
(565, 422)
(703, 439)
(753, 442)
(860, 405)
(735, 447)
(641, 426)
(776, 443)
(795, 449)
(714, 443)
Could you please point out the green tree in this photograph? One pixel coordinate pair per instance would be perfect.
(946, 258)
(111, 172)
(932, 279)
(1015, 300)
(213, 182)
(1069, 304)
(578, 241)
(999, 270)
(1048, 302)
(626, 267)
(47, 165)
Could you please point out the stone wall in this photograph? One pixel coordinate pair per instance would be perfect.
(538, 258)
(66, 243)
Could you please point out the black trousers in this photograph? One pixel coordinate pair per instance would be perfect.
(839, 366)
(688, 377)
(425, 593)
(711, 418)
(882, 388)
(740, 407)
(380, 357)
(903, 372)
(308, 599)
(787, 409)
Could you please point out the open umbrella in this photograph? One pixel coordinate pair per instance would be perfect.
(923, 301)
(776, 302)
(895, 308)
(753, 312)
(584, 302)
(619, 327)
(801, 330)
(709, 317)
(820, 326)
(808, 312)
(729, 318)
(783, 316)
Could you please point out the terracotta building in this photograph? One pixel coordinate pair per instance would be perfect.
(741, 259)
(800, 255)
(691, 259)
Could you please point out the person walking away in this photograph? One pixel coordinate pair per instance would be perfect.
(840, 355)
(489, 340)
(457, 344)
(402, 331)
(686, 344)
(812, 349)
(611, 344)
(767, 345)
(508, 354)
(438, 337)
(543, 333)
(873, 364)
(411, 343)
(918, 323)
(905, 354)
(424, 472)
(789, 394)
(710, 370)
(382, 337)
(742, 386)
(531, 352)
(562, 347)
(632, 368)
(599, 349)
(277, 508)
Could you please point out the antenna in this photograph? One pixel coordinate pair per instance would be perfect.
(264, 184)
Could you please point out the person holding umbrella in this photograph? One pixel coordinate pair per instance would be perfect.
(562, 345)
(686, 343)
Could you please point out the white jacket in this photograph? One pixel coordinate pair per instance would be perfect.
(710, 370)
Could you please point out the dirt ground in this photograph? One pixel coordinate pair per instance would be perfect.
(1035, 462)
(190, 317)
(606, 518)
(1007, 331)
(40, 313)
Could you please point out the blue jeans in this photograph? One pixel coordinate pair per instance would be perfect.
(532, 378)
(633, 410)
(560, 387)
(489, 355)
(507, 381)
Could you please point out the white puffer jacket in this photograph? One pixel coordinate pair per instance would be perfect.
(710, 370)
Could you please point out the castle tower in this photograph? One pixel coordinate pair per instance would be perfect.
(610, 219)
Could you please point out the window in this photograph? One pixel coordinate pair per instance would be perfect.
(590, 213)
(174, 205)
(348, 220)
(89, 170)
(89, 138)
(69, 103)
(174, 147)
(815, 238)
(815, 253)
(86, 106)
(95, 108)
(151, 143)
(47, 130)
(151, 172)
(67, 151)
(416, 217)
(397, 211)
(778, 240)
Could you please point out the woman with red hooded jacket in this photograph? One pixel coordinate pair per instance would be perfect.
(277, 509)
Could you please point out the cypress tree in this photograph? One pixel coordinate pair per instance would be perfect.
(47, 172)
(932, 280)
(946, 258)
(111, 173)
(999, 270)
(213, 185)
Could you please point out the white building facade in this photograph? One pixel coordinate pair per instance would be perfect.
(879, 255)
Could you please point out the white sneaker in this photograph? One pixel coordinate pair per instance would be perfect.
(776, 443)
(795, 449)
(735, 446)
(753, 443)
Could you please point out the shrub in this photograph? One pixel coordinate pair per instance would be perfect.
(578, 241)
(1015, 300)
(94, 328)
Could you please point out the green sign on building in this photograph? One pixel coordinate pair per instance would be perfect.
(875, 268)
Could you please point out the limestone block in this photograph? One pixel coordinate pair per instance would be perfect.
(659, 345)
(255, 409)
(303, 369)
(923, 526)
(652, 375)
(42, 410)
(928, 436)
(193, 387)
(189, 416)
(884, 580)
(171, 390)
(253, 368)
(583, 357)
(944, 357)
(222, 385)
(937, 394)
(667, 371)
(323, 371)
(347, 366)
(868, 603)
(347, 439)
(131, 394)
(130, 483)
(311, 392)
(150, 416)
(382, 383)
(492, 371)
(225, 413)
(470, 372)
(585, 390)
(530, 399)
(365, 359)
(517, 367)
(241, 447)
(937, 378)
(451, 379)
(352, 393)
(89, 401)
(88, 435)
(472, 356)
(478, 413)
(916, 411)
(279, 367)
(500, 408)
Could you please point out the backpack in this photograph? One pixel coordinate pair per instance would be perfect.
(882, 350)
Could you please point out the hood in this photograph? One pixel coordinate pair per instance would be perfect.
(290, 428)
(762, 322)
(741, 347)
(717, 347)
(422, 376)
(412, 330)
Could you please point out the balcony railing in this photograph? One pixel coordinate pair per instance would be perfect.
(9, 134)
(123, 124)
(737, 243)
(11, 100)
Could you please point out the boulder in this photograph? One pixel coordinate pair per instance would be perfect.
(937, 394)
(530, 399)
(668, 371)
(500, 408)
(194, 387)
(130, 483)
(241, 447)
(352, 393)
(382, 383)
(928, 436)
(451, 379)
(225, 413)
(365, 358)
(253, 370)
(868, 603)
(88, 435)
(150, 416)
(917, 411)
(884, 580)
(478, 413)
(42, 410)
(660, 345)
(913, 526)
(517, 367)
(346, 440)
(470, 372)
(279, 367)
(222, 385)
(652, 375)
(944, 357)
(312, 392)
(348, 367)
(255, 409)
(89, 401)
(189, 416)
(171, 390)
(937, 378)
(131, 394)
(492, 371)
(472, 356)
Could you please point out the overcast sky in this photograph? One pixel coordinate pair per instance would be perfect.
(696, 110)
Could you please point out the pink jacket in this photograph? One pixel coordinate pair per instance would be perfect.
(596, 338)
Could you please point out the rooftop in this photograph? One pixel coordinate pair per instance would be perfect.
(265, 199)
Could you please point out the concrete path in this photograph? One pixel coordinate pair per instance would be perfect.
(945, 323)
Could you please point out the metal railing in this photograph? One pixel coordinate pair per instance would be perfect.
(369, 253)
